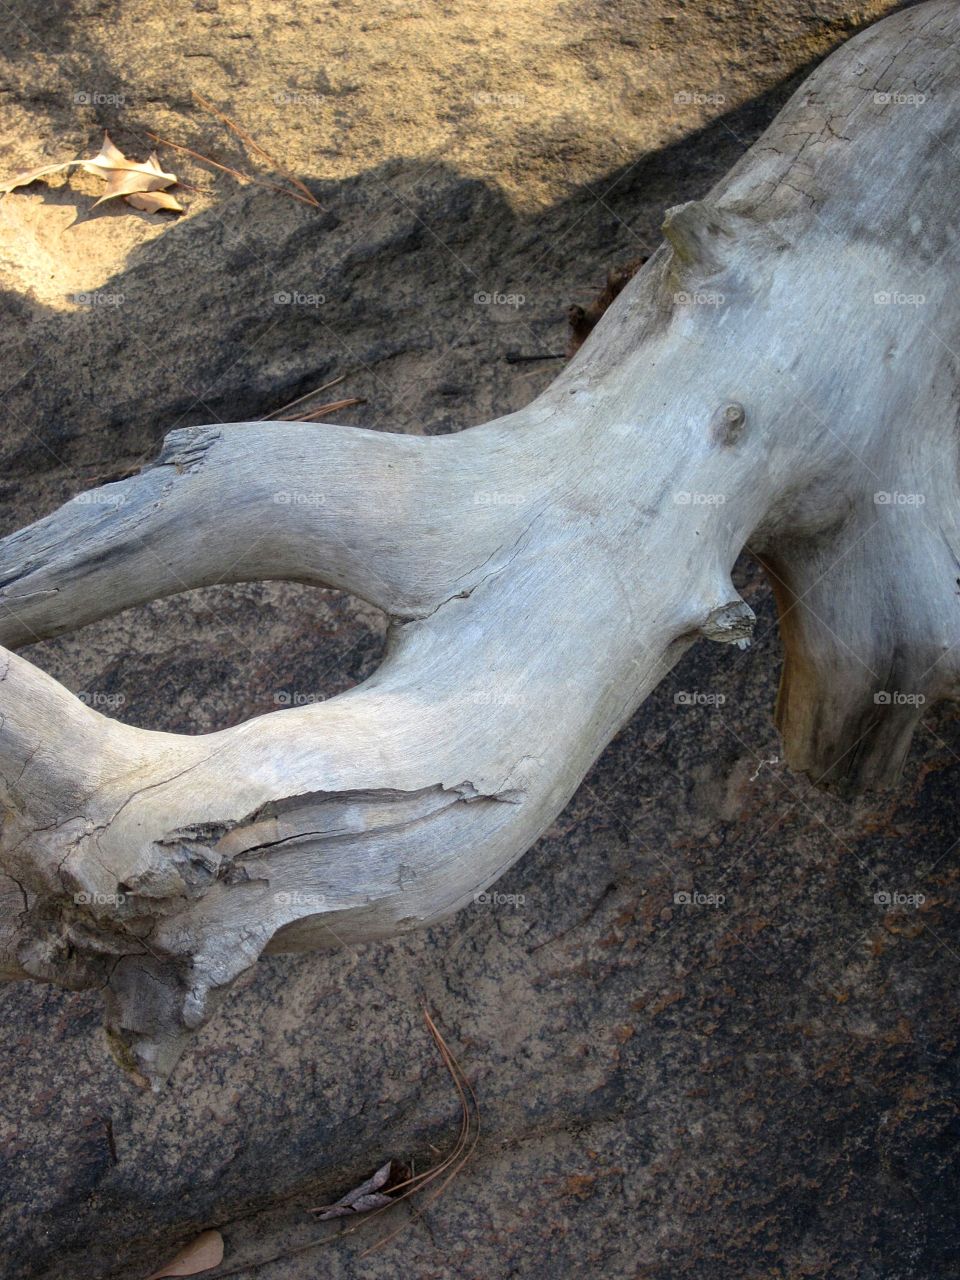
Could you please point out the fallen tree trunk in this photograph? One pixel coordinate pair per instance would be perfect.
(779, 376)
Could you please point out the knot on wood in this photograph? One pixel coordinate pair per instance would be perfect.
(726, 425)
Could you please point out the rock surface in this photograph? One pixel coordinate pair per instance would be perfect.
(757, 1081)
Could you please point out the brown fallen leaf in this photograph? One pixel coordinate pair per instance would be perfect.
(141, 184)
(31, 175)
(201, 1254)
(154, 201)
(125, 177)
(369, 1195)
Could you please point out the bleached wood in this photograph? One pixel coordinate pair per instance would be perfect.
(544, 571)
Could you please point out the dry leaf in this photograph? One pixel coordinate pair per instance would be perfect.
(111, 157)
(199, 1255)
(140, 184)
(127, 177)
(31, 175)
(153, 201)
(369, 1194)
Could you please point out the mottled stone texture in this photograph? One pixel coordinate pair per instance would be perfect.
(761, 1086)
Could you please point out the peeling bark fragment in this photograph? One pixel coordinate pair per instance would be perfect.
(186, 448)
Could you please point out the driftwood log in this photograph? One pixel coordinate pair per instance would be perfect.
(782, 375)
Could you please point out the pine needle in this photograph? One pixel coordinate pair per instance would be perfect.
(255, 146)
(306, 396)
(225, 168)
(454, 1161)
(322, 410)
